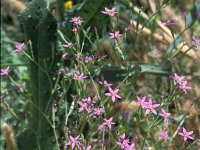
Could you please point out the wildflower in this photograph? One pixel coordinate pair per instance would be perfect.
(115, 35)
(69, 45)
(101, 127)
(109, 122)
(141, 101)
(184, 86)
(64, 56)
(68, 5)
(89, 147)
(168, 22)
(195, 41)
(105, 83)
(110, 12)
(19, 48)
(165, 115)
(123, 143)
(5, 71)
(89, 58)
(73, 141)
(177, 78)
(77, 20)
(164, 135)
(79, 77)
(113, 94)
(97, 111)
(89, 101)
(150, 107)
(83, 106)
(186, 135)
(131, 147)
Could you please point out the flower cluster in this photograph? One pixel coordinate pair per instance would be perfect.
(182, 84)
(125, 143)
(87, 105)
(148, 106)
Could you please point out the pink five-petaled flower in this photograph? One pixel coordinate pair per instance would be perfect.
(165, 115)
(83, 106)
(5, 71)
(141, 101)
(101, 127)
(89, 101)
(115, 35)
(113, 94)
(123, 143)
(177, 78)
(97, 112)
(186, 135)
(164, 135)
(79, 77)
(110, 12)
(69, 45)
(109, 122)
(73, 141)
(183, 86)
(105, 83)
(150, 107)
(19, 48)
(77, 20)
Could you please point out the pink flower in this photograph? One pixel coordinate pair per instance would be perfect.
(186, 135)
(77, 20)
(123, 143)
(164, 135)
(89, 147)
(115, 35)
(195, 41)
(73, 141)
(19, 48)
(108, 122)
(110, 12)
(101, 127)
(69, 45)
(177, 78)
(79, 77)
(105, 83)
(113, 94)
(5, 71)
(141, 101)
(83, 106)
(97, 112)
(150, 107)
(184, 86)
(165, 115)
(89, 58)
(89, 101)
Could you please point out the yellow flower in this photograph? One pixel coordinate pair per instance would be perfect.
(68, 5)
